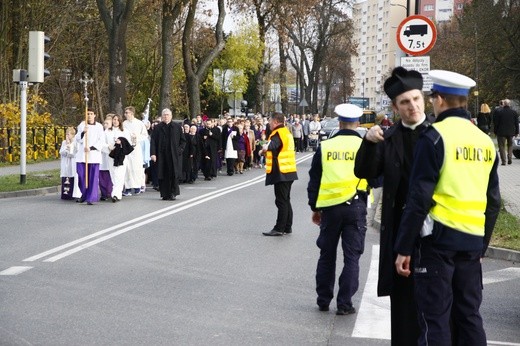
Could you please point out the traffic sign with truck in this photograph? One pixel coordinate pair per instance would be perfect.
(421, 29)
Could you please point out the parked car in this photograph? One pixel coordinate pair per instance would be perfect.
(516, 147)
(327, 127)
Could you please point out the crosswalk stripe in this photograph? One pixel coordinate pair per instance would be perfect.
(506, 274)
(373, 318)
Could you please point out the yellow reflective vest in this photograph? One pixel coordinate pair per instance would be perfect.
(287, 156)
(460, 194)
(338, 183)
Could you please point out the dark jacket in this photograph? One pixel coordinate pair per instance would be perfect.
(226, 130)
(161, 144)
(505, 122)
(120, 151)
(484, 121)
(387, 160)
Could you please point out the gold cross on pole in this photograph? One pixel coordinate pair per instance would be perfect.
(86, 80)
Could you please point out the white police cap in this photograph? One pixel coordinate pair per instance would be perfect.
(348, 112)
(452, 83)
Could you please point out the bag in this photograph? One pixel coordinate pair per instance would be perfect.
(67, 187)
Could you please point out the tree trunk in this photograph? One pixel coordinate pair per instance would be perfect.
(194, 74)
(283, 72)
(116, 25)
(171, 11)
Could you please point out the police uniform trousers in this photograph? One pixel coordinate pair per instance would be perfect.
(347, 222)
(282, 194)
(448, 284)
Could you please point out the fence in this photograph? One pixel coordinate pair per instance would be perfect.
(43, 142)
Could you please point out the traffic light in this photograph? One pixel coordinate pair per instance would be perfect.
(37, 56)
(243, 105)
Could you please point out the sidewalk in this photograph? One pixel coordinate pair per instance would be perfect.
(33, 167)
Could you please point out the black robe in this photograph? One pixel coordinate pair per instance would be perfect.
(211, 139)
(167, 144)
(188, 158)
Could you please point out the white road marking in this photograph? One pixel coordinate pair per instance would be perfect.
(15, 270)
(506, 274)
(373, 318)
(113, 228)
(491, 343)
(143, 220)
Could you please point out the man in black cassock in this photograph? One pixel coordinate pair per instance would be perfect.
(166, 147)
(211, 143)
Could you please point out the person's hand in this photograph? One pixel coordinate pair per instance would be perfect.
(375, 134)
(153, 158)
(316, 217)
(402, 265)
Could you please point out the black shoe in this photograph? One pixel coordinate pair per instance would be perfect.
(90, 203)
(115, 199)
(272, 233)
(80, 200)
(323, 307)
(509, 162)
(348, 310)
(289, 231)
(503, 163)
(103, 198)
(173, 198)
(207, 178)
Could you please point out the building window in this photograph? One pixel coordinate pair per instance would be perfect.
(428, 7)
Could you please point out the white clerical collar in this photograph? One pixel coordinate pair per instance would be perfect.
(413, 126)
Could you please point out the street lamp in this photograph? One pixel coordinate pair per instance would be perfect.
(407, 7)
(363, 91)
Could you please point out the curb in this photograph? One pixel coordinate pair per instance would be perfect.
(34, 192)
(491, 252)
(503, 254)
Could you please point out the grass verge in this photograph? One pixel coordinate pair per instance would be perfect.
(507, 231)
(34, 180)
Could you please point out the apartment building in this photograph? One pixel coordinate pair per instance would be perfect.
(376, 23)
(441, 10)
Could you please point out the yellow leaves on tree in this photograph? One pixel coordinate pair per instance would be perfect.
(10, 114)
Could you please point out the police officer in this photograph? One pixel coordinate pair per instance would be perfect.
(338, 201)
(280, 168)
(452, 206)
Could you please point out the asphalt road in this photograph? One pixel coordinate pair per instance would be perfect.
(194, 271)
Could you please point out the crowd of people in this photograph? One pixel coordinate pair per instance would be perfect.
(120, 157)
